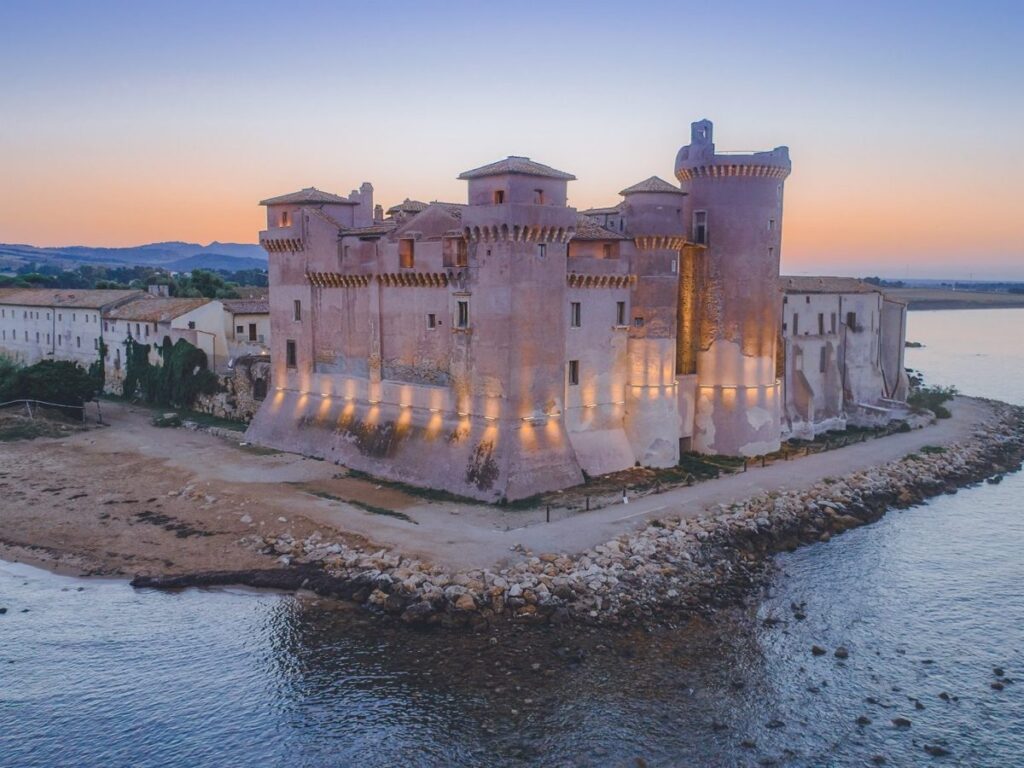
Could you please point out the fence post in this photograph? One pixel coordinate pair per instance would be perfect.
(588, 503)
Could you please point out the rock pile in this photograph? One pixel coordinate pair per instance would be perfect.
(674, 564)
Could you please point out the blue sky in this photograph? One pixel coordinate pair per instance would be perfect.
(131, 122)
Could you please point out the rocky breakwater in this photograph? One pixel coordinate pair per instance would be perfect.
(669, 568)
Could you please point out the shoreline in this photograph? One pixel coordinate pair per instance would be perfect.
(671, 566)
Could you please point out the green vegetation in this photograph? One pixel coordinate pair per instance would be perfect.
(212, 284)
(932, 399)
(53, 381)
(932, 449)
(176, 382)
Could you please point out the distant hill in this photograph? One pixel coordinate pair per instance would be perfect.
(174, 256)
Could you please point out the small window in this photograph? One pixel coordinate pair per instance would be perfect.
(431, 320)
(606, 249)
(406, 253)
(462, 315)
(574, 372)
(239, 330)
(191, 325)
(823, 360)
(807, 299)
(575, 314)
(499, 196)
(538, 196)
(851, 320)
(296, 310)
(620, 313)
(289, 354)
(638, 322)
(821, 323)
(461, 253)
(542, 250)
(796, 323)
(771, 253)
(771, 225)
(96, 344)
(78, 341)
(138, 331)
(37, 337)
(700, 227)
(285, 219)
(252, 331)
(832, 324)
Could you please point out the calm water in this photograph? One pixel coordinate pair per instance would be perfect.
(927, 601)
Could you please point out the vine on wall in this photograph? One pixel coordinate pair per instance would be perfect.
(176, 381)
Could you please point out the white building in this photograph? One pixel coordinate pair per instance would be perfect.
(201, 322)
(843, 343)
(248, 326)
(43, 324)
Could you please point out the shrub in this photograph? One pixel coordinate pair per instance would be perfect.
(932, 399)
(53, 381)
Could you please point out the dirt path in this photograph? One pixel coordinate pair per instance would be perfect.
(131, 498)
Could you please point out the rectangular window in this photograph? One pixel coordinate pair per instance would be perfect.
(499, 196)
(538, 197)
(96, 344)
(574, 314)
(431, 320)
(851, 320)
(406, 253)
(78, 341)
(771, 253)
(239, 330)
(620, 313)
(574, 372)
(462, 316)
(542, 250)
(252, 331)
(823, 360)
(37, 337)
(296, 310)
(821, 323)
(289, 354)
(638, 322)
(771, 225)
(285, 219)
(606, 250)
(138, 331)
(832, 324)
(796, 323)
(700, 227)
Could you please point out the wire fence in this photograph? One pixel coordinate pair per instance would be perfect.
(33, 408)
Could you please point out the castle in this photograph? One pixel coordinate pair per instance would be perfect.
(511, 344)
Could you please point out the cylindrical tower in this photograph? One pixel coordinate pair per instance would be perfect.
(734, 210)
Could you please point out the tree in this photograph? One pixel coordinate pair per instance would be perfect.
(54, 381)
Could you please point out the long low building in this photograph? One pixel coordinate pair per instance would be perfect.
(842, 355)
(70, 324)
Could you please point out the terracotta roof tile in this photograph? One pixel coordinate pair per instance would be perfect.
(514, 164)
(825, 284)
(152, 310)
(309, 195)
(653, 184)
(247, 306)
(588, 229)
(70, 298)
(407, 206)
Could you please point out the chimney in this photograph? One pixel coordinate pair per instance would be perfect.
(378, 212)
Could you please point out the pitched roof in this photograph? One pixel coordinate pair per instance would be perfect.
(653, 184)
(151, 310)
(515, 164)
(588, 229)
(247, 306)
(603, 211)
(825, 284)
(307, 196)
(69, 298)
(407, 206)
(374, 230)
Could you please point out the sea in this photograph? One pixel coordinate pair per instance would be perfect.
(928, 602)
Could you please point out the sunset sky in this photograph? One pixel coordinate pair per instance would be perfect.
(126, 123)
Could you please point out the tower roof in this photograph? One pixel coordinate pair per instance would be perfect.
(514, 164)
(307, 196)
(653, 184)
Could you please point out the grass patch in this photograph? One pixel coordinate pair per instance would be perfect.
(932, 449)
(429, 494)
(373, 509)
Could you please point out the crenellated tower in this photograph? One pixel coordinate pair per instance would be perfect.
(734, 213)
